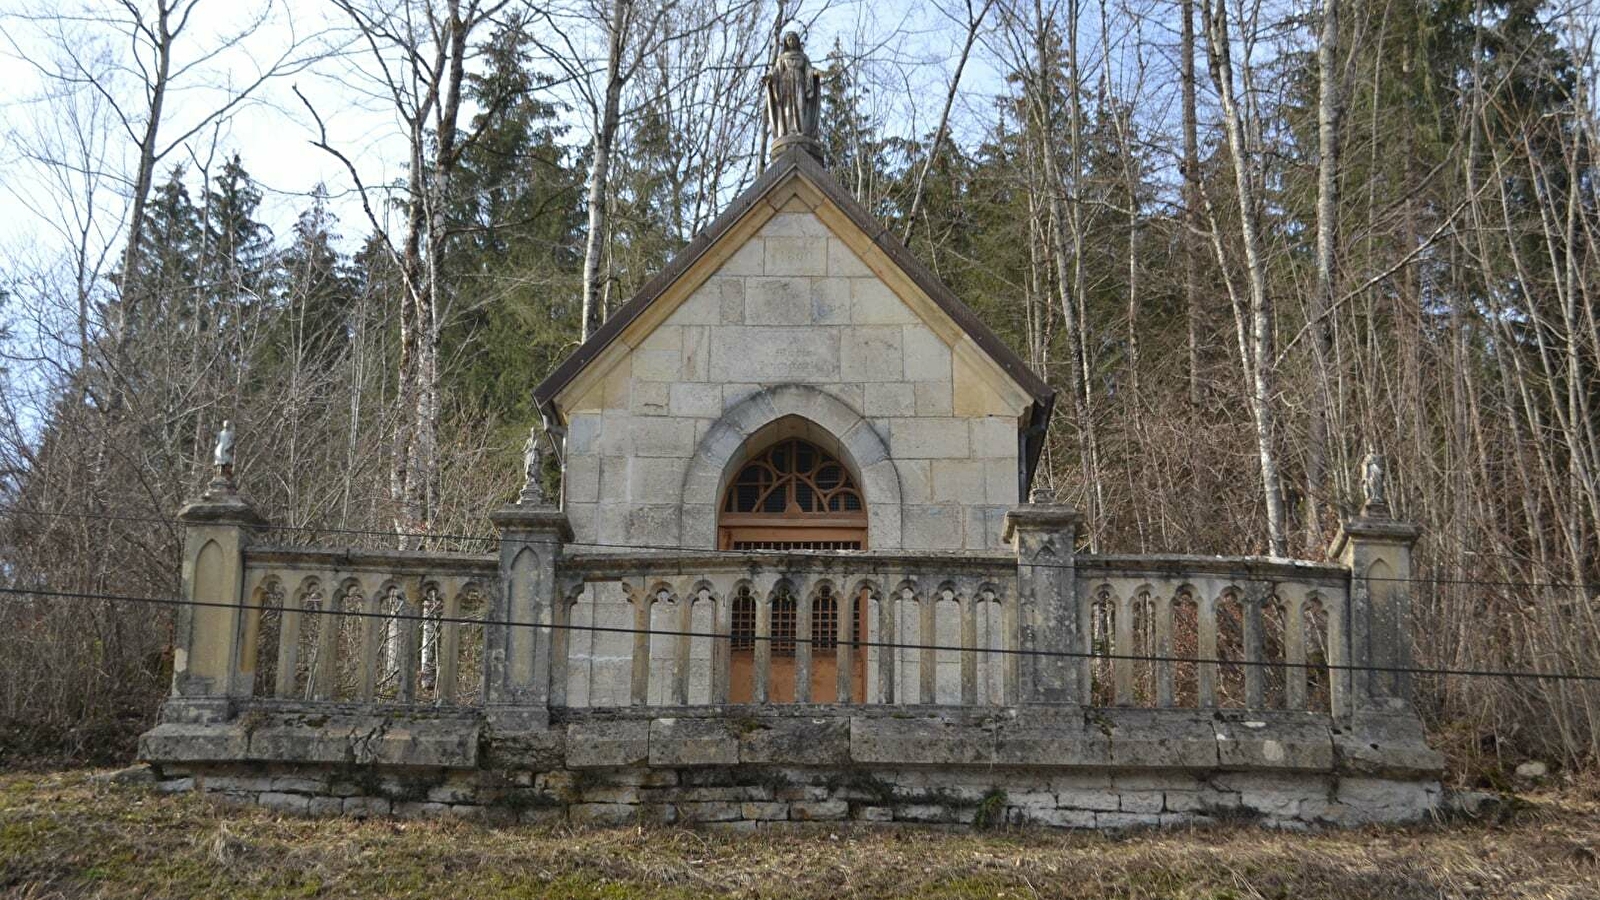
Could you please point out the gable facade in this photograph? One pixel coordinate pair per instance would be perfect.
(792, 321)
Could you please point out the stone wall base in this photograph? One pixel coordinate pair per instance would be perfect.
(746, 768)
(747, 798)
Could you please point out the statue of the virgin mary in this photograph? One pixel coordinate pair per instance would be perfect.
(794, 97)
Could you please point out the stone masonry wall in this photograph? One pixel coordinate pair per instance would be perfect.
(794, 307)
(748, 798)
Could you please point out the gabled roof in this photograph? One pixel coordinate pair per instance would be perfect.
(798, 162)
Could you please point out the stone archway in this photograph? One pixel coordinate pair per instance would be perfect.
(717, 452)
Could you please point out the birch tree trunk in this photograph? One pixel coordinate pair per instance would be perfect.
(1256, 342)
(605, 135)
(1322, 298)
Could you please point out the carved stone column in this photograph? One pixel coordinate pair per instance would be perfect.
(211, 665)
(1050, 616)
(517, 685)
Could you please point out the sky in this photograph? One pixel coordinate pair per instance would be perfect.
(273, 131)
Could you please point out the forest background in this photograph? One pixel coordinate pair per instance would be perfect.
(1247, 240)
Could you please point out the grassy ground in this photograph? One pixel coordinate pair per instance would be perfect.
(65, 835)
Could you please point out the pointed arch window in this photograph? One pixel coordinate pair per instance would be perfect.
(793, 496)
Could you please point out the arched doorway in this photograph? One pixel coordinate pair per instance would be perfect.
(794, 495)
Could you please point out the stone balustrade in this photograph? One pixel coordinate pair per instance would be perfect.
(551, 661)
(365, 626)
(929, 629)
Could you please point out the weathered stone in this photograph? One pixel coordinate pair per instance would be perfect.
(919, 742)
(1063, 743)
(299, 784)
(602, 815)
(818, 810)
(874, 814)
(282, 802)
(1165, 739)
(611, 794)
(1055, 818)
(693, 742)
(542, 815)
(1386, 744)
(935, 814)
(326, 806)
(411, 809)
(175, 742)
(606, 744)
(1371, 800)
(765, 811)
(175, 785)
(1141, 802)
(1120, 821)
(1089, 798)
(1274, 742)
(796, 742)
(363, 807)
(709, 812)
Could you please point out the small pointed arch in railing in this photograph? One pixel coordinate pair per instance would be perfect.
(1316, 624)
(1184, 648)
(345, 650)
(264, 633)
(818, 680)
(991, 681)
(650, 598)
(568, 593)
(1103, 607)
(314, 638)
(1229, 647)
(469, 602)
(902, 661)
(380, 638)
(941, 668)
(746, 619)
(783, 604)
(855, 664)
(698, 647)
(1272, 645)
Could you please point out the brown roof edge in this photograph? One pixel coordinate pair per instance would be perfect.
(796, 159)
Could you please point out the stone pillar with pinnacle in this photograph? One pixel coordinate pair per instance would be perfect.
(532, 534)
(213, 662)
(1044, 534)
(1377, 550)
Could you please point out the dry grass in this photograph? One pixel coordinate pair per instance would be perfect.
(64, 835)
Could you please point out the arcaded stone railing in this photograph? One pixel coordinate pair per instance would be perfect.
(931, 629)
(366, 626)
(568, 630)
(1274, 629)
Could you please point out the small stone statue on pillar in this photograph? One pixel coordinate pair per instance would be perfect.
(1039, 495)
(222, 483)
(1375, 503)
(532, 471)
(794, 99)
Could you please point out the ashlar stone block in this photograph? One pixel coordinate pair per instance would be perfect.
(842, 261)
(870, 354)
(873, 303)
(929, 438)
(796, 256)
(958, 480)
(927, 358)
(757, 354)
(778, 301)
(749, 259)
(830, 301)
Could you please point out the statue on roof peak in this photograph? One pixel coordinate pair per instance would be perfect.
(794, 98)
